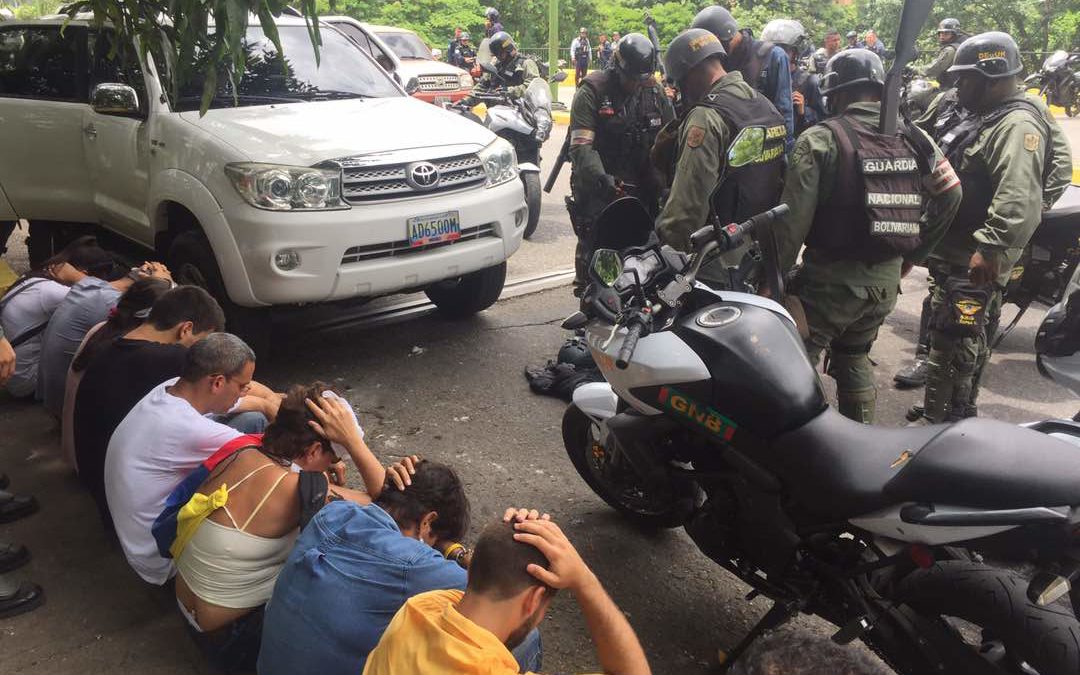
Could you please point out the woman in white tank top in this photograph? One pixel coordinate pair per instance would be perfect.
(226, 571)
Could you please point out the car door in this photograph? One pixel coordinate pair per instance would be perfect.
(117, 147)
(43, 171)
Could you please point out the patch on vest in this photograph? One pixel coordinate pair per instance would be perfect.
(942, 179)
(1031, 142)
(695, 137)
(894, 228)
(901, 200)
(875, 166)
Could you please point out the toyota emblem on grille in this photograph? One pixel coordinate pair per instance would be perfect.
(423, 175)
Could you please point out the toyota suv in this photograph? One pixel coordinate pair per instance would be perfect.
(306, 184)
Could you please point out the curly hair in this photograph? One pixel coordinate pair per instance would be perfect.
(435, 487)
(290, 434)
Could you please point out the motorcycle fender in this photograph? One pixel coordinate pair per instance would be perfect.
(596, 400)
(528, 167)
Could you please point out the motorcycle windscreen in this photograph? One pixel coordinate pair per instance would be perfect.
(1055, 60)
(623, 224)
(538, 101)
(483, 52)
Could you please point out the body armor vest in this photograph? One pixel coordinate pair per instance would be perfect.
(626, 125)
(752, 179)
(873, 213)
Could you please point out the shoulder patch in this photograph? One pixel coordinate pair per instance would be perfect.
(1031, 142)
(695, 137)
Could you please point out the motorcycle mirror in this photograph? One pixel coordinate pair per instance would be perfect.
(412, 86)
(575, 321)
(559, 76)
(489, 68)
(608, 266)
(624, 223)
(747, 147)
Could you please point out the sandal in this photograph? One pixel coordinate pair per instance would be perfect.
(14, 507)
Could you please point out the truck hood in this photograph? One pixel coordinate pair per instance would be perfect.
(304, 134)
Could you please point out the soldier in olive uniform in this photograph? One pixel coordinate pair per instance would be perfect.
(515, 70)
(1013, 161)
(867, 206)
(950, 38)
(724, 114)
(614, 120)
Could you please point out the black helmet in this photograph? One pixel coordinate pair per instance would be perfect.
(821, 57)
(491, 14)
(501, 44)
(688, 49)
(786, 33)
(852, 34)
(635, 56)
(993, 55)
(850, 68)
(575, 351)
(718, 21)
(949, 26)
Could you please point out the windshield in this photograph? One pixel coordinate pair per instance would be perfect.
(1056, 59)
(406, 45)
(538, 95)
(346, 72)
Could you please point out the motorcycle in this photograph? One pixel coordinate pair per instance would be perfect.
(526, 122)
(713, 419)
(1048, 262)
(916, 95)
(1057, 81)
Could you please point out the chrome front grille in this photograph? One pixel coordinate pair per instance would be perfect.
(439, 82)
(373, 183)
(399, 248)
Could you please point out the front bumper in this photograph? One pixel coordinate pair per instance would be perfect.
(322, 239)
(440, 97)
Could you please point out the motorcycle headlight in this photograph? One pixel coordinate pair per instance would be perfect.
(500, 162)
(287, 188)
(465, 81)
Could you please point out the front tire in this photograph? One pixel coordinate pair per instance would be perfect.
(1047, 639)
(466, 295)
(587, 454)
(532, 200)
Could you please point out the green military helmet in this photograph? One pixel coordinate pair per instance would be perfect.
(464, 35)
(688, 49)
(949, 26)
(852, 68)
(718, 21)
(635, 57)
(993, 55)
(786, 33)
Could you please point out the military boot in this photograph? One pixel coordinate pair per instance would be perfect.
(938, 397)
(913, 375)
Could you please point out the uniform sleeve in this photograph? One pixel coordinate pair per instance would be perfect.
(667, 109)
(813, 153)
(1014, 157)
(588, 166)
(781, 92)
(702, 138)
(1060, 164)
(926, 122)
(531, 73)
(944, 193)
(939, 65)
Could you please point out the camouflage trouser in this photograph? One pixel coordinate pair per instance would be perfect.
(582, 225)
(956, 362)
(844, 320)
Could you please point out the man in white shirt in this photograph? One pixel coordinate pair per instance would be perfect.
(165, 436)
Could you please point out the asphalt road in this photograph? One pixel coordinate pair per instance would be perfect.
(459, 398)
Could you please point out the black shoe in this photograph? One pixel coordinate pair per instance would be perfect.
(12, 556)
(28, 597)
(14, 507)
(913, 375)
(4, 481)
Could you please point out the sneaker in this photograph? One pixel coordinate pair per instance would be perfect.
(913, 375)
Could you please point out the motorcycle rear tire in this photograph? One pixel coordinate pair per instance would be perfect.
(531, 181)
(576, 426)
(1046, 638)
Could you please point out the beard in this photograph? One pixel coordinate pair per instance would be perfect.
(519, 634)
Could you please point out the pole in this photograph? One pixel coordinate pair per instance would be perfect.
(553, 44)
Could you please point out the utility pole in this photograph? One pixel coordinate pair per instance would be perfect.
(553, 44)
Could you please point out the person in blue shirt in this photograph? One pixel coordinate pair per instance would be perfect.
(353, 567)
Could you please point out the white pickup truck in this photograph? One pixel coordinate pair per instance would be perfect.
(313, 184)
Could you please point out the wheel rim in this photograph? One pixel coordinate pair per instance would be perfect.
(617, 481)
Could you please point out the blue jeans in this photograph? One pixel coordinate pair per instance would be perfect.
(530, 653)
(245, 422)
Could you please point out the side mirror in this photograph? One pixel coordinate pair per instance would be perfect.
(412, 86)
(608, 266)
(489, 68)
(114, 99)
(559, 76)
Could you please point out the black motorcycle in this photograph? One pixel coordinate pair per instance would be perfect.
(1058, 82)
(713, 419)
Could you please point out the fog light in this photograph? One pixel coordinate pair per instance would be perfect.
(287, 260)
(520, 216)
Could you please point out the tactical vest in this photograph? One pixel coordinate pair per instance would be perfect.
(513, 73)
(955, 130)
(754, 186)
(877, 197)
(624, 137)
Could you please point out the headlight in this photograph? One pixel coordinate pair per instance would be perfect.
(465, 81)
(500, 162)
(287, 188)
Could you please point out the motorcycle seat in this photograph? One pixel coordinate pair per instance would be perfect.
(989, 464)
(838, 468)
(1061, 223)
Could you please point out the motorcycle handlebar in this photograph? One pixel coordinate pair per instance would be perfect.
(626, 352)
(731, 236)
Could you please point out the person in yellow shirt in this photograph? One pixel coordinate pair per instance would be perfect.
(516, 569)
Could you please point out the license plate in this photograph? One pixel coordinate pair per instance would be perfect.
(441, 100)
(425, 230)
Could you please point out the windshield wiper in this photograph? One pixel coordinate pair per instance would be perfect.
(331, 95)
(243, 98)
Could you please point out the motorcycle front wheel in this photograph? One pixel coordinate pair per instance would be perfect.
(974, 619)
(615, 482)
(531, 182)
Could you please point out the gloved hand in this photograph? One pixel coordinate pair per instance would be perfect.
(608, 187)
